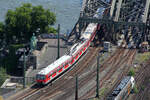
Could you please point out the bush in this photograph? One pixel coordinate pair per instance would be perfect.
(142, 87)
(3, 75)
(135, 90)
(131, 72)
(10, 61)
(102, 91)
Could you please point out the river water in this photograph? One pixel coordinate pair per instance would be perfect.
(67, 11)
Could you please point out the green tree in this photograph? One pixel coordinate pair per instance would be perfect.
(25, 20)
(3, 75)
(1, 33)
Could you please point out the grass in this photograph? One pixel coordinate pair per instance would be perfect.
(131, 72)
(101, 94)
(135, 90)
(142, 57)
(102, 91)
(3, 75)
(142, 87)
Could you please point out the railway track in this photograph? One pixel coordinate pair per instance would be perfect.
(125, 69)
(140, 79)
(65, 80)
(68, 79)
(66, 88)
(114, 67)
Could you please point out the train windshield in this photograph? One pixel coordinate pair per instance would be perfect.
(40, 77)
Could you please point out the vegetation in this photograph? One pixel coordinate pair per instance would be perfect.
(135, 90)
(142, 57)
(10, 62)
(1, 33)
(102, 91)
(142, 87)
(21, 23)
(19, 26)
(3, 75)
(131, 72)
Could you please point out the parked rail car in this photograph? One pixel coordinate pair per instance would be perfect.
(123, 89)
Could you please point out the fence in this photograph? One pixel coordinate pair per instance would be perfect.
(29, 80)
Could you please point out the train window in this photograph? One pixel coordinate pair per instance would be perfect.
(40, 77)
(54, 74)
(76, 57)
(66, 66)
(59, 67)
(72, 61)
(84, 49)
(43, 77)
(49, 76)
(60, 70)
(80, 52)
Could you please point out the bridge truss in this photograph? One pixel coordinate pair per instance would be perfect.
(122, 14)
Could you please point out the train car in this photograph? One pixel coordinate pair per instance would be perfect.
(63, 63)
(53, 70)
(123, 89)
(89, 32)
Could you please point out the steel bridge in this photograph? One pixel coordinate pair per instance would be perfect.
(123, 15)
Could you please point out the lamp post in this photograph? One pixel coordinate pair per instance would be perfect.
(97, 79)
(24, 70)
(76, 93)
(58, 38)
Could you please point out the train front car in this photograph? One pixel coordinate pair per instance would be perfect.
(123, 89)
(53, 70)
(89, 32)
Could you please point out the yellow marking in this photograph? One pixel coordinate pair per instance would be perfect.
(1, 98)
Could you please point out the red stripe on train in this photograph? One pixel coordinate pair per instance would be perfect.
(76, 57)
(54, 74)
(60, 70)
(66, 66)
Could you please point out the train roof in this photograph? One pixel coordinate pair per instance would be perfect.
(88, 31)
(77, 46)
(122, 84)
(54, 65)
(90, 28)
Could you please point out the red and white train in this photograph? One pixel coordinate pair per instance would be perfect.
(63, 63)
(77, 50)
